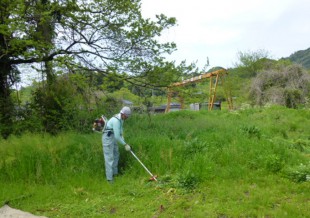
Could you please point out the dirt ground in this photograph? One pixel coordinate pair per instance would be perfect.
(8, 212)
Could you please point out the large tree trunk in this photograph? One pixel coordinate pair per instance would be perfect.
(6, 104)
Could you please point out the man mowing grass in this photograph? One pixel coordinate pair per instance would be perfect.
(112, 136)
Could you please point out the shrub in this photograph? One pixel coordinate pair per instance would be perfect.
(287, 86)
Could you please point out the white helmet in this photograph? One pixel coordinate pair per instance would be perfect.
(126, 111)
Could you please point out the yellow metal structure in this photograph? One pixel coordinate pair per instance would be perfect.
(214, 79)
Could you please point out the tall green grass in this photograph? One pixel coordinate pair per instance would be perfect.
(49, 160)
(244, 140)
(247, 163)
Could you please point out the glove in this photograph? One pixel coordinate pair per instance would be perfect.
(127, 147)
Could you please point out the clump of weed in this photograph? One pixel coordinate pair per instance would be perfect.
(166, 179)
(251, 131)
(274, 163)
(293, 127)
(194, 146)
(300, 173)
(284, 134)
(300, 145)
(188, 181)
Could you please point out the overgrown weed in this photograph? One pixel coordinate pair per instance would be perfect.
(208, 164)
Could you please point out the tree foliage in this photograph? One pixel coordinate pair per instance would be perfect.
(73, 36)
(251, 62)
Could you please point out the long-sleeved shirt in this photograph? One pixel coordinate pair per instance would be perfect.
(116, 124)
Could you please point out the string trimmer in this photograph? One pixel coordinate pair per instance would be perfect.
(152, 176)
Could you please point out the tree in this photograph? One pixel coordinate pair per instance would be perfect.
(250, 63)
(112, 82)
(96, 36)
(26, 32)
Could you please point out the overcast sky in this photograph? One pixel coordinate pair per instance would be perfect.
(219, 29)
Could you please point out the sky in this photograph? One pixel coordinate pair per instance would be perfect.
(218, 29)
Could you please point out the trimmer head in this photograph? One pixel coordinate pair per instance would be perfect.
(153, 178)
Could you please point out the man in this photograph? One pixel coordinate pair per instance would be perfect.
(112, 136)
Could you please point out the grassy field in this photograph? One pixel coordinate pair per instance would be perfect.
(246, 163)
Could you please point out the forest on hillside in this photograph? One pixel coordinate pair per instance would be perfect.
(91, 56)
(301, 57)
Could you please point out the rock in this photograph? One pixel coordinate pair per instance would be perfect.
(8, 212)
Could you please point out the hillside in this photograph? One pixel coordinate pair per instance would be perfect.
(209, 164)
(301, 57)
